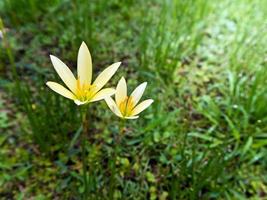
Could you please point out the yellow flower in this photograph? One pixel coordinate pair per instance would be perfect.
(126, 106)
(82, 90)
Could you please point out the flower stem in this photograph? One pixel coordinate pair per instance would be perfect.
(84, 132)
(122, 126)
(116, 146)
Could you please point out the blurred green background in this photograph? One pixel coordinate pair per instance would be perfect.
(204, 137)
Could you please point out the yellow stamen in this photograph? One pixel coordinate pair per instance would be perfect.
(85, 92)
(126, 106)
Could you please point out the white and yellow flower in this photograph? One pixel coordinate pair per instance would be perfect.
(82, 90)
(126, 106)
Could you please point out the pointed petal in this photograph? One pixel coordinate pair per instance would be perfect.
(121, 91)
(113, 107)
(104, 76)
(138, 93)
(84, 64)
(142, 106)
(60, 90)
(79, 103)
(64, 73)
(132, 117)
(102, 94)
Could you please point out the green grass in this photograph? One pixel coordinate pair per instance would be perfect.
(204, 137)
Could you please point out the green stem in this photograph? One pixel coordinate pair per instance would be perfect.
(122, 125)
(85, 130)
(117, 141)
(193, 193)
(10, 57)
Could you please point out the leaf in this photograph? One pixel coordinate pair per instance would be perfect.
(215, 141)
(156, 137)
(75, 138)
(235, 132)
(247, 146)
(150, 177)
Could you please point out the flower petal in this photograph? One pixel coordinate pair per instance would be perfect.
(84, 64)
(121, 91)
(104, 76)
(79, 103)
(64, 73)
(138, 93)
(132, 117)
(102, 94)
(113, 107)
(60, 90)
(142, 106)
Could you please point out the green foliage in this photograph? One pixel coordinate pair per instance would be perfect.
(172, 38)
(204, 137)
(25, 11)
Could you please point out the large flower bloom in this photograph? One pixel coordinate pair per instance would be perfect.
(82, 90)
(126, 106)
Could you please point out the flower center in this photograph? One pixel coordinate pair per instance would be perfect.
(126, 106)
(85, 92)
